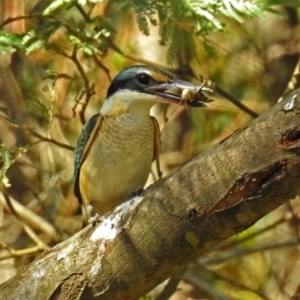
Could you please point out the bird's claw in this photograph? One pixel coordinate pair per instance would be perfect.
(95, 219)
(138, 192)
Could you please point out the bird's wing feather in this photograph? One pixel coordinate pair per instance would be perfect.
(82, 147)
(156, 147)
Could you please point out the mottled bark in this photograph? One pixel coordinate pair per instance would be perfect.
(215, 195)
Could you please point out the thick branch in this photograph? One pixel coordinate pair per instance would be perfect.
(145, 240)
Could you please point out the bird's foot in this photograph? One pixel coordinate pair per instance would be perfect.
(95, 219)
(138, 192)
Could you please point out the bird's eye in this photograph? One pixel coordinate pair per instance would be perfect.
(143, 79)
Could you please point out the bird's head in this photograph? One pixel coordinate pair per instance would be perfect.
(140, 87)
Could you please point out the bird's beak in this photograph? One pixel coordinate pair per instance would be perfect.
(182, 93)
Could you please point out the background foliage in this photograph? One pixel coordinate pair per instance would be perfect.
(57, 59)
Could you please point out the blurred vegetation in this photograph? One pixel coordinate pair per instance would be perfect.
(57, 59)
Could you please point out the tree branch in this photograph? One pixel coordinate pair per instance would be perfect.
(148, 238)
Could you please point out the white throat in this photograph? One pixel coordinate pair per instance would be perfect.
(127, 101)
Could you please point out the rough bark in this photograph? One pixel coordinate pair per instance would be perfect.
(215, 195)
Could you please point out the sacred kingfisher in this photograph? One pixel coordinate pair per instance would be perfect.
(117, 146)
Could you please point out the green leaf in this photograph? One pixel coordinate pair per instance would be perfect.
(6, 160)
(9, 42)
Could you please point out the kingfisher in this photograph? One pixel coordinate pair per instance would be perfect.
(116, 147)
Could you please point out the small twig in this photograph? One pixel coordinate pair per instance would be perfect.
(153, 175)
(14, 19)
(82, 12)
(36, 134)
(171, 286)
(203, 285)
(22, 252)
(234, 101)
(293, 219)
(40, 244)
(245, 251)
(31, 218)
(7, 248)
(234, 243)
(104, 68)
(77, 100)
(187, 71)
(89, 93)
(235, 283)
(10, 20)
(89, 90)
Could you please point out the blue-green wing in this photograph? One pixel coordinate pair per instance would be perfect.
(81, 149)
